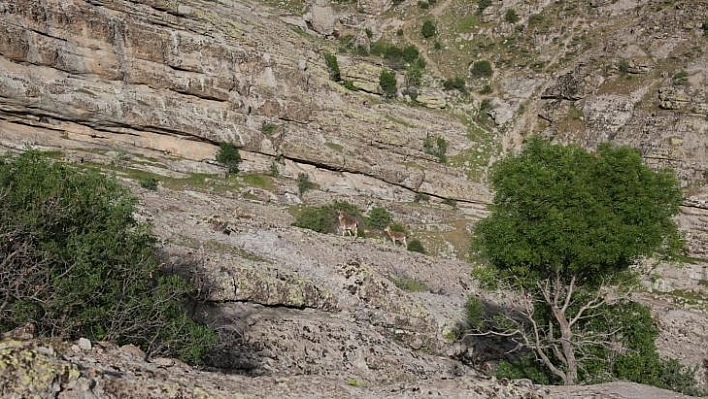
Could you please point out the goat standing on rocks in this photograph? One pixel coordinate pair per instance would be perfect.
(347, 223)
(396, 236)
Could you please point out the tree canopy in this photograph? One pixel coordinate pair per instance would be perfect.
(562, 210)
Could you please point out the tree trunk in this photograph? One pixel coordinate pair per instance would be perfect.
(566, 344)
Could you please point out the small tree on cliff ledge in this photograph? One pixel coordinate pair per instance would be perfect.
(565, 225)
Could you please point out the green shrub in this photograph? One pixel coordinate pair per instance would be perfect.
(511, 16)
(428, 30)
(487, 89)
(435, 146)
(410, 53)
(482, 69)
(323, 219)
(274, 169)
(379, 218)
(387, 81)
(399, 227)
(416, 246)
(397, 2)
(423, 4)
(349, 85)
(536, 20)
(149, 183)
(680, 78)
(82, 266)
(421, 197)
(437, 45)
(623, 67)
(333, 67)
(455, 83)
(414, 76)
(409, 284)
(704, 26)
(483, 4)
(399, 32)
(369, 33)
(304, 184)
(229, 156)
(268, 128)
(319, 219)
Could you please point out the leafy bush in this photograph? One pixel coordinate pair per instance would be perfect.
(436, 146)
(304, 184)
(323, 219)
(511, 16)
(274, 169)
(414, 76)
(387, 50)
(428, 30)
(410, 53)
(455, 83)
(416, 246)
(268, 128)
(149, 183)
(487, 89)
(482, 69)
(349, 85)
(680, 78)
(623, 67)
(333, 67)
(423, 4)
(704, 26)
(387, 81)
(76, 263)
(319, 219)
(379, 218)
(229, 156)
(483, 4)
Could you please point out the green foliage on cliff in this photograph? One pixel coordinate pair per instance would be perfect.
(74, 261)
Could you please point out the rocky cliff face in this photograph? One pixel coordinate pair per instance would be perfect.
(148, 88)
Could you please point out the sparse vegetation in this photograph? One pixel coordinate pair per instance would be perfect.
(76, 263)
(409, 284)
(436, 146)
(429, 29)
(304, 184)
(415, 245)
(387, 81)
(229, 156)
(379, 218)
(421, 197)
(623, 67)
(333, 67)
(274, 169)
(349, 85)
(456, 83)
(149, 182)
(268, 128)
(410, 53)
(482, 69)
(483, 5)
(511, 16)
(680, 78)
(323, 219)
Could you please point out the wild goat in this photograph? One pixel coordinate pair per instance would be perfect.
(396, 236)
(347, 223)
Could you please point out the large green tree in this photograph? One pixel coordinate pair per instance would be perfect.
(564, 225)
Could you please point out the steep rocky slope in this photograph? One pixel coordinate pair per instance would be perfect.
(148, 88)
